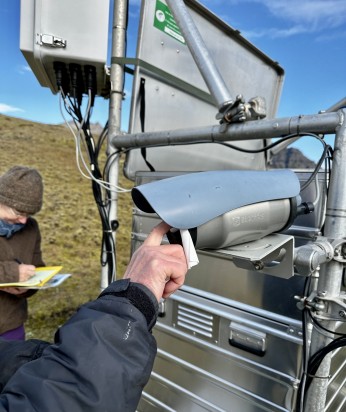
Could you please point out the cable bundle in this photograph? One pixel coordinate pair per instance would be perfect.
(73, 82)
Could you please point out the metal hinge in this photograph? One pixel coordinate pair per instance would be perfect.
(51, 41)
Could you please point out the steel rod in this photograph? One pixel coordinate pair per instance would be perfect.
(337, 106)
(324, 123)
(114, 114)
(200, 54)
(330, 280)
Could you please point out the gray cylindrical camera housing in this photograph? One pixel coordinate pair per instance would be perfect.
(242, 225)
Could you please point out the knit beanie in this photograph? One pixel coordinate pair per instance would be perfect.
(22, 189)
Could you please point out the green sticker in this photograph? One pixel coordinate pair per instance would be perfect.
(165, 22)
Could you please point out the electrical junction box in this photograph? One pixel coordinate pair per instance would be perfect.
(65, 34)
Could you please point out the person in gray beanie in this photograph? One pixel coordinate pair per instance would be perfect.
(21, 196)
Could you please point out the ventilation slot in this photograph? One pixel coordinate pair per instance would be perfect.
(196, 321)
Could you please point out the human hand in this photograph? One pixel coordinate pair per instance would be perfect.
(14, 291)
(161, 268)
(26, 272)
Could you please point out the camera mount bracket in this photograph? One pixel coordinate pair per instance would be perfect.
(271, 255)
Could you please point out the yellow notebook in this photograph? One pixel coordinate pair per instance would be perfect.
(41, 276)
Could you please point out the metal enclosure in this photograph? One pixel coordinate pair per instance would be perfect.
(231, 339)
(64, 31)
(168, 83)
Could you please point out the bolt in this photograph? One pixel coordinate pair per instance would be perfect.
(295, 385)
(258, 265)
(342, 313)
(319, 306)
(322, 294)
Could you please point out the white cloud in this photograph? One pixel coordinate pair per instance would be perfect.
(275, 33)
(5, 108)
(319, 13)
(299, 16)
(23, 69)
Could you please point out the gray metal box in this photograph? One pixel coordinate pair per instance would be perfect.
(65, 31)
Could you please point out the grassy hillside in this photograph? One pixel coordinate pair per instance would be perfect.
(69, 221)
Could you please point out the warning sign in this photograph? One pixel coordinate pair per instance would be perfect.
(165, 22)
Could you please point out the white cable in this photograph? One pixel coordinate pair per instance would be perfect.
(79, 154)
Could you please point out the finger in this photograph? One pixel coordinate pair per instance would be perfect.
(156, 235)
(172, 285)
(175, 251)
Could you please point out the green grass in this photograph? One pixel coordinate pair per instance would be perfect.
(69, 220)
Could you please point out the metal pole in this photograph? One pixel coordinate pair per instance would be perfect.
(337, 106)
(200, 53)
(115, 105)
(330, 280)
(325, 123)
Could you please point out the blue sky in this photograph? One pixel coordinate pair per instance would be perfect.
(306, 37)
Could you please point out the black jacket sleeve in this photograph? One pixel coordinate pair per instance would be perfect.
(14, 354)
(100, 361)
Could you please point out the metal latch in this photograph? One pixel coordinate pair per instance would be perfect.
(51, 41)
(247, 339)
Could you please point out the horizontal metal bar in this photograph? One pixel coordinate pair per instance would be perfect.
(324, 123)
(166, 77)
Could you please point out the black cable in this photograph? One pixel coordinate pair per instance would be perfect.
(315, 321)
(72, 84)
(310, 369)
(266, 148)
(327, 149)
(302, 384)
(110, 159)
(317, 168)
(301, 388)
(102, 205)
(316, 359)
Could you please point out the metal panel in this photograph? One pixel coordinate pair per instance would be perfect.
(195, 372)
(336, 395)
(176, 95)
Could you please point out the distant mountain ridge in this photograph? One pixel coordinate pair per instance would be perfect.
(96, 128)
(291, 158)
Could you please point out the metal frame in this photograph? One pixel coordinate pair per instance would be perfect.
(332, 257)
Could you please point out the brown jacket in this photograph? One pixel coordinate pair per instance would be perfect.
(24, 246)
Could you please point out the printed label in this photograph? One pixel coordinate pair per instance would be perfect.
(165, 22)
(240, 220)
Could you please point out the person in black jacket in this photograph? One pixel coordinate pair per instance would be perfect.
(103, 355)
